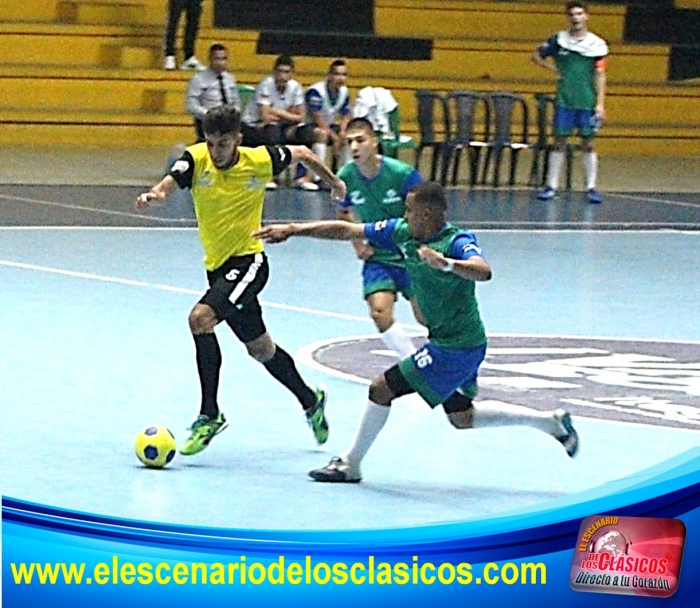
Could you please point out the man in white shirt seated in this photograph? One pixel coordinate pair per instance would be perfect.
(275, 114)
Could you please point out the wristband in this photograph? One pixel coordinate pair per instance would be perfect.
(450, 266)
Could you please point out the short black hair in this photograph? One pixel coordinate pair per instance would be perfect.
(217, 46)
(283, 60)
(338, 63)
(222, 119)
(360, 123)
(576, 4)
(430, 194)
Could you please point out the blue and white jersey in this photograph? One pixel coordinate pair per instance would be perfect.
(318, 99)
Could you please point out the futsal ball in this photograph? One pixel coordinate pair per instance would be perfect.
(155, 446)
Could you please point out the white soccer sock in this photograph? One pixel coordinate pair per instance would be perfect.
(556, 160)
(506, 414)
(397, 340)
(590, 168)
(373, 421)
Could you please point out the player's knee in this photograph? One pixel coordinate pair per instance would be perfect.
(382, 316)
(202, 319)
(587, 146)
(379, 392)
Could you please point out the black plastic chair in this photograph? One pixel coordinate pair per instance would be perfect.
(545, 143)
(510, 121)
(433, 127)
(467, 110)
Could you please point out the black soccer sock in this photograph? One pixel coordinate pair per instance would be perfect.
(283, 369)
(208, 366)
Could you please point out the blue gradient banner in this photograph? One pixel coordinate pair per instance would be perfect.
(54, 556)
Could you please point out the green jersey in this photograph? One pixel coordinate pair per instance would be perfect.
(447, 301)
(576, 61)
(380, 197)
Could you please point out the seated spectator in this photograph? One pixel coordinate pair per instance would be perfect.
(275, 113)
(328, 107)
(215, 86)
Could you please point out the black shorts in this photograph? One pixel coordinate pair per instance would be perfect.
(233, 294)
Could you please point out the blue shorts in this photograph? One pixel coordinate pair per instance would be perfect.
(436, 372)
(377, 276)
(566, 120)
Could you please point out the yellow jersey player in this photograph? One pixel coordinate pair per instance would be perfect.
(228, 189)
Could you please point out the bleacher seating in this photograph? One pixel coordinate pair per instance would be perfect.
(87, 72)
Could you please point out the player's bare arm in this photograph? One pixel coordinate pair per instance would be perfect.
(158, 193)
(475, 268)
(268, 114)
(333, 230)
(311, 161)
(363, 249)
(600, 83)
(543, 62)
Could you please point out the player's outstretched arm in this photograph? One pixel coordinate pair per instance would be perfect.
(313, 162)
(157, 194)
(333, 230)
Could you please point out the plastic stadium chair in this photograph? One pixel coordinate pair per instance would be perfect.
(510, 131)
(433, 127)
(393, 141)
(467, 111)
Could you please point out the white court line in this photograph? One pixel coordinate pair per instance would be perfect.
(140, 216)
(651, 199)
(337, 315)
(650, 230)
(304, 353)
(187, 220)
(172, 288)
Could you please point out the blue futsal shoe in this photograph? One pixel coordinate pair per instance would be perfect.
(547, 194)
(594, 196)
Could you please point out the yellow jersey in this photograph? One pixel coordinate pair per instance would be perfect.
(228, 203)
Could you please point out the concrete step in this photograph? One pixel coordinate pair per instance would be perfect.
(29, 11)
(93, 128)
(101, 12)
(488, 20)
(126, 46)
(83, 127)
(164, 91)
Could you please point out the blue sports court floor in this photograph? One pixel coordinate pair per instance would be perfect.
(591, 307)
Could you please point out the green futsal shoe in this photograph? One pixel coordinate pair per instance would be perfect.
(316, 416)
(204, 429)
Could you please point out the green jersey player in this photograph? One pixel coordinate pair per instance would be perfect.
(577, 56)
(443, 263)
(376, 190)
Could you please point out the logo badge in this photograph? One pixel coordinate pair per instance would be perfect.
(628, 555)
